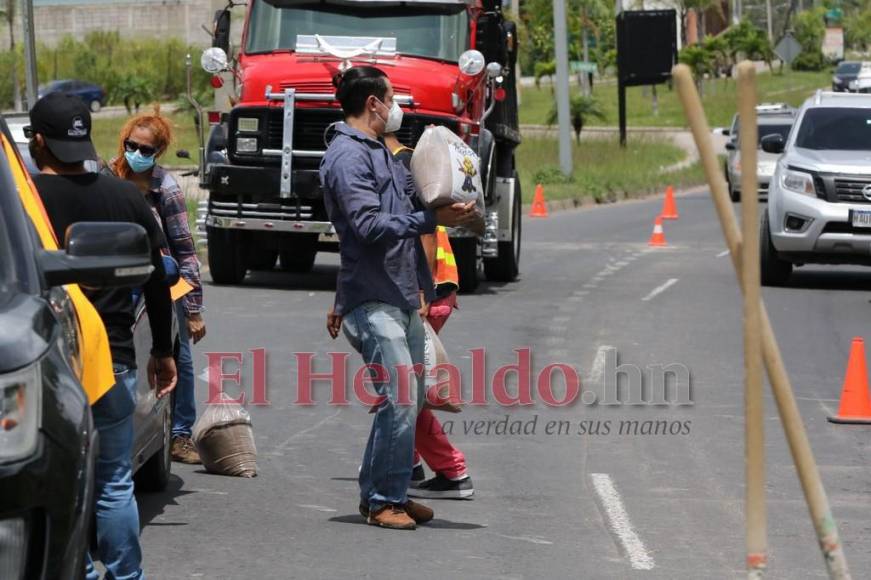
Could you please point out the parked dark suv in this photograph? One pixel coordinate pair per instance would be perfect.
(47, 439)
(93, 95)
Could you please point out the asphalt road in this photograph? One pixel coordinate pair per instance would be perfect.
(610, 505)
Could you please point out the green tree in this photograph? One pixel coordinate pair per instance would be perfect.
(699, 59)
(581, 108)
(810, 29)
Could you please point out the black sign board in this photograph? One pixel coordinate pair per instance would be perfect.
(646, 52)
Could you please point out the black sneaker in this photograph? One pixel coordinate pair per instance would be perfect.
(417, 475)
(440, 487)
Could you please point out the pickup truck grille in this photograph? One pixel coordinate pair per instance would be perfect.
(265, 211)
(850, 190)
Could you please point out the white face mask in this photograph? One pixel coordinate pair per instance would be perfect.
(394, 118)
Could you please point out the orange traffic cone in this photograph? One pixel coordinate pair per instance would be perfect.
(658, 236)
(539, 208)
(855, 401)
(669, 208)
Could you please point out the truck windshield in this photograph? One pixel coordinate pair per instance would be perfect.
(439, 32)
(835, 128)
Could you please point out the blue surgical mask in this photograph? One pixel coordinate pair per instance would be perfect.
(138, 162)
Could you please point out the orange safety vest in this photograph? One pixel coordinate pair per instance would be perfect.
(446, 265)
(95, 374)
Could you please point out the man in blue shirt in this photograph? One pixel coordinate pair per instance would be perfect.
(384, 280)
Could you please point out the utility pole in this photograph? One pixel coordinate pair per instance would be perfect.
(30, 77)
(562, 86)
(768, 13)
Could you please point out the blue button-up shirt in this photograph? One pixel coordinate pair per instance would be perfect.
(372, 203)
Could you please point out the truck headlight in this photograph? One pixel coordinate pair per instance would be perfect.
(798, 182)
(246, 145)
(248, 124)
(20, 412)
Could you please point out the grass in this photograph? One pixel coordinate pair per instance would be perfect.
(602, 169)
(719, 100)
(106, 131)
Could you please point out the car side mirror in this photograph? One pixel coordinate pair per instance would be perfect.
(100, 254)
(726, 132)
(221, 31)
(773, 144)
(730, 146)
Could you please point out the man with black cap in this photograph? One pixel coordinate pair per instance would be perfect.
(60, 143)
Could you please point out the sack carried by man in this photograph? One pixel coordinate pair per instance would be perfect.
(225, 440)
(445, 169)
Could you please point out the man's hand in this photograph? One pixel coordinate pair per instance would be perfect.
(162, 375)
(334, 323)
(424, 306)
(457, 215)
(196, 326)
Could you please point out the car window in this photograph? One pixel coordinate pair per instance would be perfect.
(17, 271)
(848, 68)
(835, 128)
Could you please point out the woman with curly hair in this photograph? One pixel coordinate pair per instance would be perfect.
(143, 140)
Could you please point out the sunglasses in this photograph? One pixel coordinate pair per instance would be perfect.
(131, 146)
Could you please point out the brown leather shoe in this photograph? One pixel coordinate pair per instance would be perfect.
(183, 450)
(393, 517)
(416, 511)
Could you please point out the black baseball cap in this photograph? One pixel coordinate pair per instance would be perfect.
(64, 121)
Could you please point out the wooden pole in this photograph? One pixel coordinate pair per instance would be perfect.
(808, 474)
(754, 426)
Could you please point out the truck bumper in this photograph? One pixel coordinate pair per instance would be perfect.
(261, 182)
(266, 225)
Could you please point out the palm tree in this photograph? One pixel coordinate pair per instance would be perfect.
(581, 107)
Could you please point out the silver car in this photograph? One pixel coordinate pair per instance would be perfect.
(819, 202)
(771, 119)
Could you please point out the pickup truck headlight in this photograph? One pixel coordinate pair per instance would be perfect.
(798, 181)
(766, 167)
(248, 124)
(20, 412)
(246, 145)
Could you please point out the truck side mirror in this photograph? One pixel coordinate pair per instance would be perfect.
(221, 31)
(100, 254)
(773, 143)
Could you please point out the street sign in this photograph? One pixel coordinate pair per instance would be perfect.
(579, 66)
(788, 48)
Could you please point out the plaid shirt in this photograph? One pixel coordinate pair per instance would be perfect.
(168, 204)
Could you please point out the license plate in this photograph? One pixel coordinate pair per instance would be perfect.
(861, 218)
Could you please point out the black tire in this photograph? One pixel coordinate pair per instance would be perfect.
(506, 267)
(262, 260)
(226, 256)
(299, 257)
(153, 476)
(775, 271)
(466, 254)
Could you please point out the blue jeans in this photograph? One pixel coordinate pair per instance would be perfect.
(388, 336)
(184, 411)
(116, 510)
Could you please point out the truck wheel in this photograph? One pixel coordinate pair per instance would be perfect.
(154, 474)
(775, 271)
(263, 260)
(466, 254)
(226, 256)
(300, 257)
(506, 266)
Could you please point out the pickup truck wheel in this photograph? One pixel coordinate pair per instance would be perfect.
(300, 256)
(506, 266)
(775, 271)
(226, 256)
(154, 474)
(262, 260)
(466, 254)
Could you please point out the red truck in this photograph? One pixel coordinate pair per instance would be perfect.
(451, 63)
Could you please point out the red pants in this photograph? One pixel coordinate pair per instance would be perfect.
(430, 441)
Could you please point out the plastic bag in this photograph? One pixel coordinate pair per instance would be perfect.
(225, 440)
(445, 169)
(434, 354)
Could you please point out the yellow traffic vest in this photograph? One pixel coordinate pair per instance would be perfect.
(446, 265)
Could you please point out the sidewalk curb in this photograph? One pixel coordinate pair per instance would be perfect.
(588, 202)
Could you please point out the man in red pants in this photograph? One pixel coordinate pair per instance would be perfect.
(451, 480)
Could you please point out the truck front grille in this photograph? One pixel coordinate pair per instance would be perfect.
(265, 211)
(850, 190)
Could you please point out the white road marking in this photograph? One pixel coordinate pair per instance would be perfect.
(598, 369)
(618, 520)
(660, 289)
(529, 539)
(723, 253)
(319, 508)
